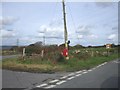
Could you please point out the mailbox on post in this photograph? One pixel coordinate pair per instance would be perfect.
(65, 52)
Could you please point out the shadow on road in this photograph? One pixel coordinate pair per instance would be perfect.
(111, 82)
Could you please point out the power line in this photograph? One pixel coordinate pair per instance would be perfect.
(51, 37)
(74, 25)
(72, 18)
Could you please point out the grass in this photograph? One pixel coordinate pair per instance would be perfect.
(89, 63)
(76, 62)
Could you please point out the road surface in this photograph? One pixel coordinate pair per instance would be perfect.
(8, 56)
(103, 76)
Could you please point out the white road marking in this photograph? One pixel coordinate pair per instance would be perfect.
(58, 83)
(63, 77)
(85, 72)
(51, 86)
(98, 66)
(102, 64)
(78, 75)
(93, 68)
(42, 85)
(78, 72)
(105, 62)
(89, 70)
(71, 74)
(116, 61)
(70, 78)
(54, 81)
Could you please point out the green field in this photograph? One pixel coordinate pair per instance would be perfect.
(84, 58)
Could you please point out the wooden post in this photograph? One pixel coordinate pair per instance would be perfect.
(23, 53)
(92, 53)
(42, 53)
(65, 28)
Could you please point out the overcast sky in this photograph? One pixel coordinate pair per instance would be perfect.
(88, 23)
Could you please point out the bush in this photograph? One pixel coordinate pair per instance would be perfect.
(33, 49)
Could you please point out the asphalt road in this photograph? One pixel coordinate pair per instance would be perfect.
(8, 56)
(105, 76)
(102, 76)
(12, 79)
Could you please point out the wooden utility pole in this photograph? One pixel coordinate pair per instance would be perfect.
(17, 42)
(65, 31)
(65, 27)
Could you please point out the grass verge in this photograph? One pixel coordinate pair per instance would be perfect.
(73, 64)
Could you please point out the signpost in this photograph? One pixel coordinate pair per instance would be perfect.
(108, 47)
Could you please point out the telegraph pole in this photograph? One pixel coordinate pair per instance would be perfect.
(44, 39)
(17, 42)
(65, 27)
(17, 45)
(65, 31)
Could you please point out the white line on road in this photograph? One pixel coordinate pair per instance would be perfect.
(70, 78)
(78, 75)
(89, 70)
(93, 68)
(98, 66)
(116, 61)
(58, 83)
(78, 72)
(105, 62)
(71, 74)
(85, 72)
(63, 77)
(54, 81)
(102, 64)
(42, 85)
(51, 86)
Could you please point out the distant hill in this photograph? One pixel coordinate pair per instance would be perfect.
(39, 43)
(6, 47)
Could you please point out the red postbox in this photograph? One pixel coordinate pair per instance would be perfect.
(65, 52)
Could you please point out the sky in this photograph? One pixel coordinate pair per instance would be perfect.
(88, 23)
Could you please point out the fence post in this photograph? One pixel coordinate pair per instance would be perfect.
(23, 53)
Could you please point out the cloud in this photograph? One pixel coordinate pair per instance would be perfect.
(53, 29)
(114, 28)
(112, 37)
(7, 20)
(84, 30)
(7, 34)
(93, 36)
(104, 4)
(56, 22)
(26, 40)
(42, 29)
(83, 35)
(53, 32)
(80, 36)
